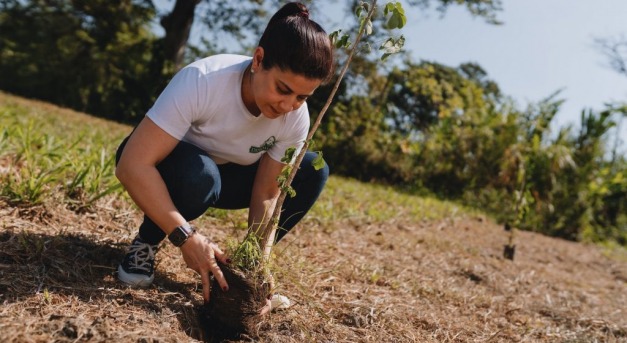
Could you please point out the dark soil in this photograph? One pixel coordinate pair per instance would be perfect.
(235, 313)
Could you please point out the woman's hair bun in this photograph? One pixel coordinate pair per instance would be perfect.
(293, 42)
(289, 10)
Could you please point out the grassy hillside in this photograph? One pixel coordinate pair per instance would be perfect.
(367, 265)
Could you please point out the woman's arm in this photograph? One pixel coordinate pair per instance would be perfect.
(265, 192)
(137, 171)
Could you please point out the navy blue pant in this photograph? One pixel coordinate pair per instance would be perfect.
(195, 183)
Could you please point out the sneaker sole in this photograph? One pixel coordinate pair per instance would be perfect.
(135, 280)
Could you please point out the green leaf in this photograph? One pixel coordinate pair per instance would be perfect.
(289, 154)
(363, 6)
(392, 46)
(397, 19)
(343, 42)
(389, 7)
(339, 42)
(399, 12)
(290, 191)
(333, 36)
(364, 22)
(392, 22)
(318, 162)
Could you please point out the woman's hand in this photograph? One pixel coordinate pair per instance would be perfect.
(266, 308)
(200, 254)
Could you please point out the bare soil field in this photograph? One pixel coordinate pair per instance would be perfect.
(351, 281)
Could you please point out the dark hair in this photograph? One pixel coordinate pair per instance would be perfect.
(293, 42)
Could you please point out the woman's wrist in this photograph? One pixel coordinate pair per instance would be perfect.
(181, 234)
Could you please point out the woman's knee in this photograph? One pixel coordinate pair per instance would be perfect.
(192, 178)
(201, 179)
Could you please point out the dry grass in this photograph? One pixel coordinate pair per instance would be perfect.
(357, 282)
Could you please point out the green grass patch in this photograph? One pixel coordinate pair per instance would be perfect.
(345, 198)
(47, 151)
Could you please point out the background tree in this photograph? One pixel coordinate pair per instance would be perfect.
(239, 20)
(94, 56)
(244, 20)
(615, 49)
(486, 9)
(101, 57)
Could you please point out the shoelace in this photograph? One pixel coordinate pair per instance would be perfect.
(143, 253)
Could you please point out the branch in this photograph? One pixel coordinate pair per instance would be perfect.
(616, 52)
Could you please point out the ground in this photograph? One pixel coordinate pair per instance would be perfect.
(350, 280)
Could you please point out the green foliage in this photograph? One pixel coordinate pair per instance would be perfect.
(420, 95)
(39, 158)
(340, 41)
(486, 9)
(584, 206)
(450, 131)
(346, 198)
(101, 57)
(230, 25)
(318, 162)
(397, 17)
(94, 56)
(352, 137)
(288, 158)
(282, 180)
(289, 155)
(392, 46)
(247, 254)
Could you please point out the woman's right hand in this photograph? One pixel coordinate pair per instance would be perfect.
(201, 255)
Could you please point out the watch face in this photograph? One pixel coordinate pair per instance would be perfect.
(179, 236)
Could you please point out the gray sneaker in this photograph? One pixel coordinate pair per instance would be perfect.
(138, 267)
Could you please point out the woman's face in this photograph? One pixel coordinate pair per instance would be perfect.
(277, 92)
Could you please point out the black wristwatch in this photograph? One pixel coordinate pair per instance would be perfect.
(181, 234)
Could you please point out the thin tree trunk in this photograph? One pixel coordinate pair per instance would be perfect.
(178, 25)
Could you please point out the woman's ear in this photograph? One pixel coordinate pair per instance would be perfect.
(257, 58)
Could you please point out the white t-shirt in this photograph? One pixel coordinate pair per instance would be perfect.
(203, 105)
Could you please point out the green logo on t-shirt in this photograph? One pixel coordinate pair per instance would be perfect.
(269, 143)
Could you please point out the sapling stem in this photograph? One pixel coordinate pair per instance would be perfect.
(268, 231)
(509, 249)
